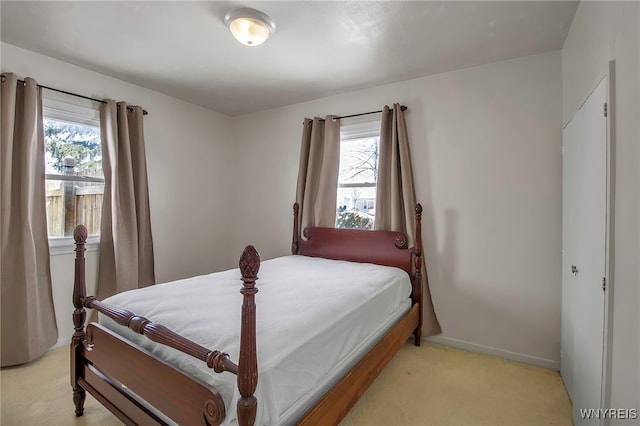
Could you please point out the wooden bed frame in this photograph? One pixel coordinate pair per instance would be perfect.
(114, 371)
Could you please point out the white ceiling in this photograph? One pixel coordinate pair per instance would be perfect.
(319, 49)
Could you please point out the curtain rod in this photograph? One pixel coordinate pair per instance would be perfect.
(144, 112)
(402, 107)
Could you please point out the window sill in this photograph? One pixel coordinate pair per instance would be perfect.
(66, 245)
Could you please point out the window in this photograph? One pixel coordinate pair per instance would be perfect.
(74, 177)
(359, 151)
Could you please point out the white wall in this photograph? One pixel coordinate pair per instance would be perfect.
(604, 31)
(486, 147)
(188, 151)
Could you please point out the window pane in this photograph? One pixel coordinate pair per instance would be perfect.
(356, 207)
(72, 148)
(70, 203)
(359, 160)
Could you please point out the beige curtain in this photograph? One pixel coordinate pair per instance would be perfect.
(396, 197)
(28, 319)
(317, 187)
(126, 245)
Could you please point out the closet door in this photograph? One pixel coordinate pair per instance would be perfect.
(584, 242)
(571, 172)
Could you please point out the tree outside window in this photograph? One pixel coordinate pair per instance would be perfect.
(70, 140)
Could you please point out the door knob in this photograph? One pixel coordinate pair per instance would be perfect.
(574, 269)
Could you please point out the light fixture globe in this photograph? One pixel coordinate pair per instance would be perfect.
(249, 26)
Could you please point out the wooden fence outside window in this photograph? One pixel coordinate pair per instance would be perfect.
(70, 203)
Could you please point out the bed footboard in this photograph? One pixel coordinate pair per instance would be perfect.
(114, 371)
(119, 374)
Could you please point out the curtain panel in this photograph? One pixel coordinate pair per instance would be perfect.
(126, 244)
(396, 197)
(28, 319)
(317, 188)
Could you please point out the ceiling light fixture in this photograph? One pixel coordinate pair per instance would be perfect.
(249, 26)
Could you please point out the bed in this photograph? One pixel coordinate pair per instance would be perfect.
(163, 354)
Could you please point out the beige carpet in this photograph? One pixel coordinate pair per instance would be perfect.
(431, 385)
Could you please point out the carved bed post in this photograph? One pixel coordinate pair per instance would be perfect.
(79, 315)
(296, 230)
(248, 363)
(417, 285)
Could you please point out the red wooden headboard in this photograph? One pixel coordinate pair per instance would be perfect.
(380, 247)
(386, 248)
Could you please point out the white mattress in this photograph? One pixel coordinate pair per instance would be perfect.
(314, 317)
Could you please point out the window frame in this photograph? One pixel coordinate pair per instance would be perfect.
(84, 114)
(369, 128)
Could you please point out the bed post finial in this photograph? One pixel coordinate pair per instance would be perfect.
(79, 316)
(248, 362)
(296, 229)
(417, 285)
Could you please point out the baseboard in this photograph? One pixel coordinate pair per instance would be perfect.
(501, 353)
